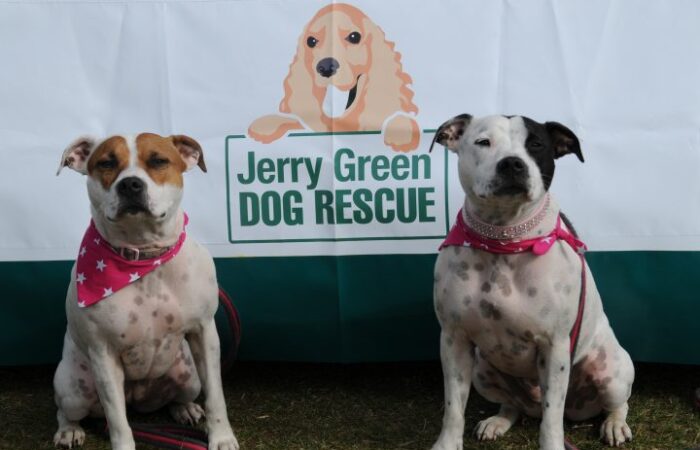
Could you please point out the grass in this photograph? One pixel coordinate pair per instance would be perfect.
(384, 406)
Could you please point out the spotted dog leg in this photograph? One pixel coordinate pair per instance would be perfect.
(75, 395)
(456, 354)
(602, 381)
(515, 395)
(553, 366)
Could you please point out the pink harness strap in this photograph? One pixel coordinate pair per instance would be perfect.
(461, 235)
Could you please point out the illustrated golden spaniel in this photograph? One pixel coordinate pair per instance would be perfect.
(345, 77)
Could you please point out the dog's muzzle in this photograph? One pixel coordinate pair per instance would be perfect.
(511, 176)
(132, 196)
(327, 67)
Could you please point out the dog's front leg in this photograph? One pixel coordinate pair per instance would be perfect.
(205, 350)
(457, 356)
(553, 366)
(109, 381)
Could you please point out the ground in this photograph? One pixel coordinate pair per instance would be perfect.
(385, 406)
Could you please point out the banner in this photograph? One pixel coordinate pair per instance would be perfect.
(316, 118)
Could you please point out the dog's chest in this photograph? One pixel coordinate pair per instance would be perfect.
(503, 303)
(147, 320)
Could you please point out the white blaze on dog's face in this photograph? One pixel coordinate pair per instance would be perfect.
(506, 159)
(134, 177)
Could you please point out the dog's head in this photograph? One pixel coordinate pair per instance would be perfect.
(506, 159)
(338, 53)
(133, 177)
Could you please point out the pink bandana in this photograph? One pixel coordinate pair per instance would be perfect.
(101, 271)
(462, 236)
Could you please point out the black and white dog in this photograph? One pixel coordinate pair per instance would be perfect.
(520, 314)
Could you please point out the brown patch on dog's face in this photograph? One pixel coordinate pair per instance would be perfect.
(159, 157)
(108, 160)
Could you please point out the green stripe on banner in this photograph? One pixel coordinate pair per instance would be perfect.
(367, 308)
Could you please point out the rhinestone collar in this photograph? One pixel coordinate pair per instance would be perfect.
(507, 232)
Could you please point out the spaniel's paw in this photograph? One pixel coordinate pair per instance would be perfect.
(402, 134)
(269, 128)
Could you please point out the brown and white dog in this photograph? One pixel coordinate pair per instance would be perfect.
(154, 342)
(507, 319)
(346, 76)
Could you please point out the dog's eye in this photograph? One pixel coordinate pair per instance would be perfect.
(354, 37)
(107, 164)
(311, 41)
(157, 162)
(535, 145)
(483, 142)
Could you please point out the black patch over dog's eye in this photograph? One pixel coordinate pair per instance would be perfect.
(107, 164)
(483, 142)
(156, 162)
(354, 37)
(535, 145)
(311, 41)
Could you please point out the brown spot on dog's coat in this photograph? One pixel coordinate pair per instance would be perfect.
(169, 318)
(489, 310)
(486, 287)
(133, 318)
(138, 300)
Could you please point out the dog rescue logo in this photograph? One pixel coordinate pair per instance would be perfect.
(345, 76)
(319, 169)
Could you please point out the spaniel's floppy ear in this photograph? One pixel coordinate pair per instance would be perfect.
(190, 151)
(76, 155)
(564, 140)
(388, 88)
(448, 133)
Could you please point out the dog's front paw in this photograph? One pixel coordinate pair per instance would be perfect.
(225, 441)
(492, 428)
(69, 436)
(269, 128)
(615, 431)
(445, 442)
(402, 134)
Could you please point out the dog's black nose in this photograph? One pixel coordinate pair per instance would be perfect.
(327, 67)
(131, 187)
(511, 166)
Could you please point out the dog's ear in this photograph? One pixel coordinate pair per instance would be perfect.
(76, 155)
(448, 133)
(190, 151)
(564, 140)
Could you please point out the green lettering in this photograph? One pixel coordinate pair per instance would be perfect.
(399, 167)
(380, 164)
(249, 208)
(271, 208)
(423, 203)
(292, 215)
(402, 203)
(266, 166)
(341, 204)
(349, 171)
(364, 213)
(415, 163)
(383, 215)
(324, 205)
